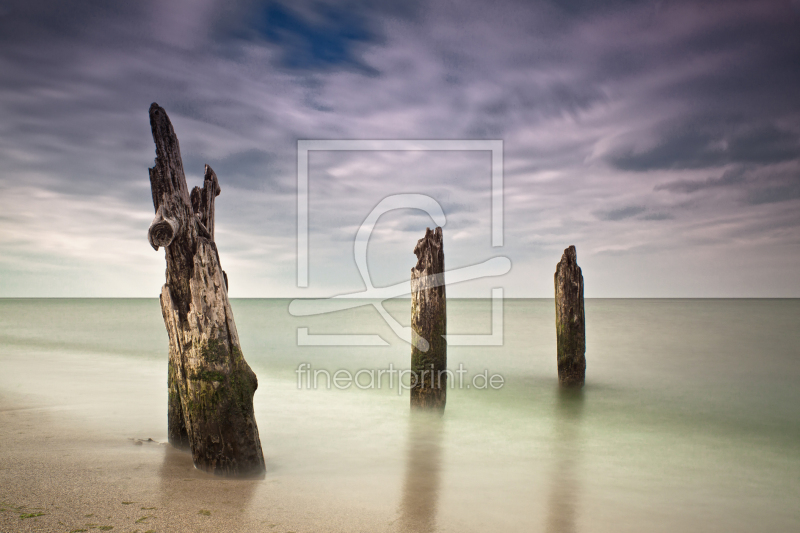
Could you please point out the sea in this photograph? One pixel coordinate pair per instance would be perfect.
(689, 419)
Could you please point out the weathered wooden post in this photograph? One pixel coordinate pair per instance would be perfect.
(570, 321)
(211, 386)
(428, 324)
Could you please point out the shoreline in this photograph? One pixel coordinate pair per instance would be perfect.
(59, 476)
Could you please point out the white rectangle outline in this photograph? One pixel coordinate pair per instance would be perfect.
(495, 338)
(305, 146)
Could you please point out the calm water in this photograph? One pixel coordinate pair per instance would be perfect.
(690, 419)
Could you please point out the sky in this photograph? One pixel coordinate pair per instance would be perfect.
(661, 138)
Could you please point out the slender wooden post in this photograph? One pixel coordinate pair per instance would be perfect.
(570, 321)
(211, 386)
(429, 324)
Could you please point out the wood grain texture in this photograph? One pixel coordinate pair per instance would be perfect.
(570, 321)
(429, 324)
(211, 386)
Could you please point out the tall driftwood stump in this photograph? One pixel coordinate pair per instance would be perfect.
(211, 386)
(570, 321)
(428, 324)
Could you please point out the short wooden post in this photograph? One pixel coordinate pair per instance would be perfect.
(570, 321)
(429, 324)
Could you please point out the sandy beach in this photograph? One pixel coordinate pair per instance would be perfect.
(57, 474)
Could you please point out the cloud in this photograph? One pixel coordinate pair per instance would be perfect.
(781, 185)
(658, 216)
(621, 213)
(770, 195)
(705, 144)
(626, 112)
(753, 184)
(733, 176)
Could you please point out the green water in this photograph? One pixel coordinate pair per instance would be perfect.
(690, 419)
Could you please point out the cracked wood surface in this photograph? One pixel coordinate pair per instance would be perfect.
(429, 323)
(211, 386)
(570, 321)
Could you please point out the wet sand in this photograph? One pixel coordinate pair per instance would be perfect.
(56, 475)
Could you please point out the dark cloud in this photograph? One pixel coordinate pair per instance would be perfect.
(21, 20)
(769, 195)
(729, 177)
(705, 143)
(621, 213)
(773, 187)
(658, 216)
(582, 8)
(753, 184)
(728, 74)
(765, 144)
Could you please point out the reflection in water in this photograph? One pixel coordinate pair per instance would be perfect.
(180, 484)
(564, 487)
(423, 463)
